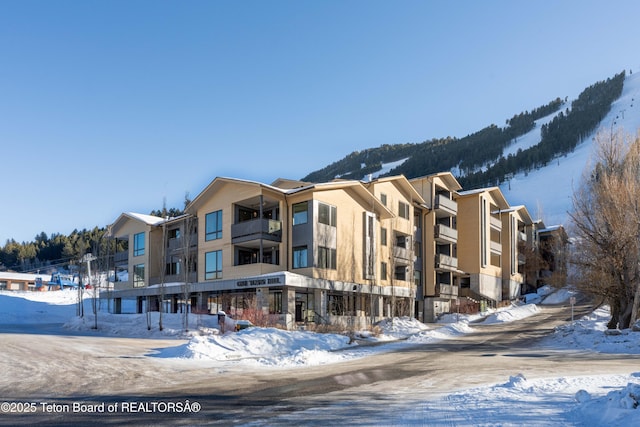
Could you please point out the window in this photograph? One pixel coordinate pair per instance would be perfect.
(300, 212)
(172, 268)
(174, 233)
(213, 265)
(335, 305)
(403, 210)
(138, 275)
(275, 302)
(138, 244)
(327, 214)
(300, 257)
(383, 236)
(213, 225)
(326, 258)
(383, 198)
(401, 272)
(483, 233)
(383, 270)
(402, 241)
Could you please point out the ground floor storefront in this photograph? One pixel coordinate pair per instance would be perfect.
(280, 299)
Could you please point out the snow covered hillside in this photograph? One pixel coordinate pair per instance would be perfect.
(547, 192)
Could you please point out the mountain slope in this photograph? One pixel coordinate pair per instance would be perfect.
(547, 191)
(540, 154)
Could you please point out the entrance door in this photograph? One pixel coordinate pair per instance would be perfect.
(299, 311)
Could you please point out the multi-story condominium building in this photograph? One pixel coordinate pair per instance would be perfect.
(343, 252)
(480, 252)
(517, 235)
(400, 240)
(553, 242)
(300, 252)
(436, 255)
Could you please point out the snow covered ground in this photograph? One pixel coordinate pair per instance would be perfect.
(559, 400)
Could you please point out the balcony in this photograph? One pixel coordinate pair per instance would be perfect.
(446, 290)
(522, 259)
(177, 244)
(446, 262)
(121, 257)
(402, 253)
(257, 229)
(444, 206)
(444, 234)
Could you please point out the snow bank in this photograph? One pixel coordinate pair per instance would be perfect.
(588, 334)
(263, 346)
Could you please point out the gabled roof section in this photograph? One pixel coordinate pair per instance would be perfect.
(289, 184)
(495, 192)
(353, 186)
(403, 183)
(220, 181)
(522, 211)
(124, 217)
(447, 177)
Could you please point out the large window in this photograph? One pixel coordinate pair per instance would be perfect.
(138, 275)
(300, 257)
(213, 265)
(138, 244)
(403, 210)
(327, 214)
(213, 225)
(300, 213)
(275, 302)
(326, 258)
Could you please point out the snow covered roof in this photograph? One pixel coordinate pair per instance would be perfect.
(495, 192)
(10, 275)
(147, 219)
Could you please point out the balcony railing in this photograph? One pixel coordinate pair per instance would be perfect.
(446, 290)
(446, 262)
(178, 243)
(121, 257)
(496, 247)
(522, 259)
(444, 234)
(445, 206)
(495, 222)
(267, 229)
(402, 253)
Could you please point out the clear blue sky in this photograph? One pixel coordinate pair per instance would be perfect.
(111, 106)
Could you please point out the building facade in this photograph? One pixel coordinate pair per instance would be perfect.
(304, 253)
(480, 252)
(344, 252)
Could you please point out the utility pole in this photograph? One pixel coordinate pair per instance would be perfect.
(88, 257)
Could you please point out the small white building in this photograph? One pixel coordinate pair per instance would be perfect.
(19, 281)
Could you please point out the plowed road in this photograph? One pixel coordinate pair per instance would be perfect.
(52, 372)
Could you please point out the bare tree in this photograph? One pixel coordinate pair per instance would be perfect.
(163, 263)
(606, 222)
(187, 261)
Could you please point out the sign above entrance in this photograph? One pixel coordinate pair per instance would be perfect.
(258, 282)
